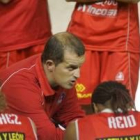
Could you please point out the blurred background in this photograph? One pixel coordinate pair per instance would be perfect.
(60, 12)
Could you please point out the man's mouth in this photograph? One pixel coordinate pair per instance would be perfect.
(73, 82)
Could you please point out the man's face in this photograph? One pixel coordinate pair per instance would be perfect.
(66, 73)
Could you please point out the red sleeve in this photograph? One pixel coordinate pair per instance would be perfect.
(24, 99)
(70, 109)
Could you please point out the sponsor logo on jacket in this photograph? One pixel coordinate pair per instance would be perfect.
(80, 88)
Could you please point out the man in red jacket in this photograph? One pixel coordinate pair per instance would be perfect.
(24, 29)
(43, 85)
(13, 126)
(115, 118)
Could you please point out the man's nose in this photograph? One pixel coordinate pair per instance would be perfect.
(77, 73)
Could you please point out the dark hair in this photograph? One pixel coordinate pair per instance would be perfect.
(117, 93)
(2, 102)
(58, 43)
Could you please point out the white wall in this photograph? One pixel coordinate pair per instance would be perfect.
(60, 11)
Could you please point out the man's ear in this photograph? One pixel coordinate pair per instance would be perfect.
(50, 65)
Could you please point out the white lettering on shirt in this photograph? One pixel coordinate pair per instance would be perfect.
(9, 119)
(121, 122)
(107, 2)
(100, 8)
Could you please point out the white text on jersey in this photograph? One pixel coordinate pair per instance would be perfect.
(9, 119)
(121, 122)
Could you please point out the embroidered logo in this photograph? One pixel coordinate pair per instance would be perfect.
(80, 87)
(119, 76)
(61, 97)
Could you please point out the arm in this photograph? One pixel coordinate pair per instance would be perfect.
(84, 1)
(70, 133)
(129, 1)
(70, 109)
(27, 102)
(34, 129)
(33, 126)
(5, 1)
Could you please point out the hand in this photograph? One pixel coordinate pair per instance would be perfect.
(84, 1)
(5, 1)
(129, 1)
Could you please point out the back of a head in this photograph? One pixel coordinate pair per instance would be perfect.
(116, 94)
(60, 42)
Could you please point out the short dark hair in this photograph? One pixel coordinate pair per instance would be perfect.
(116, 92)
(58, 43)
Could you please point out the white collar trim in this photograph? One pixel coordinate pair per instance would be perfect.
(107, 110)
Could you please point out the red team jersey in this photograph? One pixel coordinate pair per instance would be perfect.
(33, 22)
(110, 33)
(107, 126)
(107, 26)
(16, 127)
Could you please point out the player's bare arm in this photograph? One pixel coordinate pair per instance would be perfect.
(5, 1)
(70, 133)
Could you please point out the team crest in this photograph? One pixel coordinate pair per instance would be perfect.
(119, 76)
(61, 97)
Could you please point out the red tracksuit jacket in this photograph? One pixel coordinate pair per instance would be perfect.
(29, 93)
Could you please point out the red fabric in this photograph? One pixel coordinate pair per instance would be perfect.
(95, 127)
(9, 58)
(29, 93)
(15, 126)
(107, 26)
(23, 24)
(103, 66)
